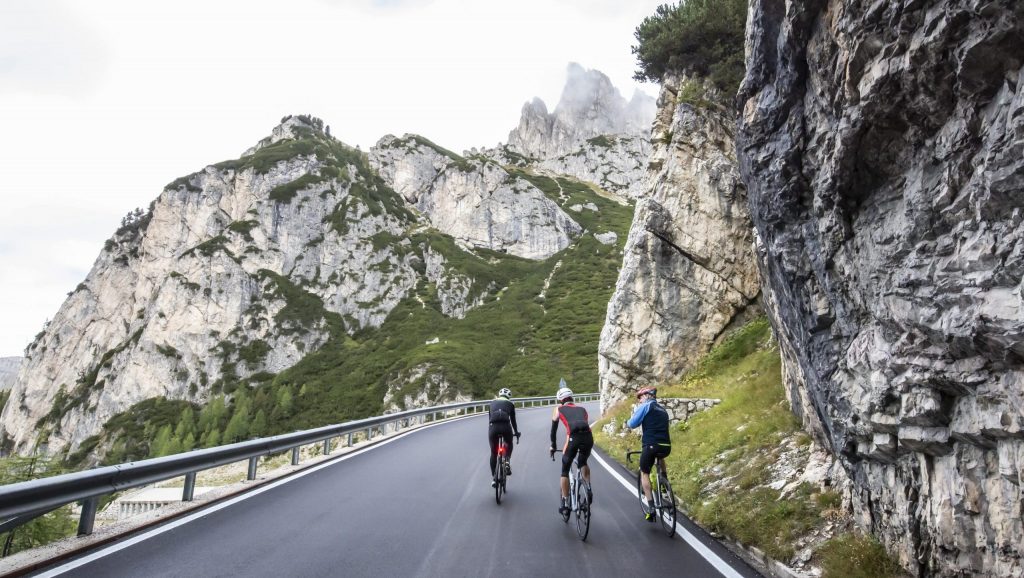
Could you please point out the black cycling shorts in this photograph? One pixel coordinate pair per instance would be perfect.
(652, 452)
(581, 444)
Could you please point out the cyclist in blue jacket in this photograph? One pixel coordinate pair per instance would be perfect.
(655, 441)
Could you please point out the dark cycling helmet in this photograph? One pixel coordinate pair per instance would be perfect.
(504, 392)
(649, 390)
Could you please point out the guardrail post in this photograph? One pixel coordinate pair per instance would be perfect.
(295, 456)
(327, 446)
(252, 468)
(369, 433)
(88, 518)
(190, 487)
(350, 439)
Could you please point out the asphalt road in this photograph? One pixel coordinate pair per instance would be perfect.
(417, 505)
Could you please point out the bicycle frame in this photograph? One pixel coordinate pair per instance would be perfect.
(660, 486)
(582, 511)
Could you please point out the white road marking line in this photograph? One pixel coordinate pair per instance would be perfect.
(206, 511)
(712, 558)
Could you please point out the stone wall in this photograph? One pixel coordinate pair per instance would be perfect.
(680, 409)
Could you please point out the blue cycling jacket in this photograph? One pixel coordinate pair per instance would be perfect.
(654, 418)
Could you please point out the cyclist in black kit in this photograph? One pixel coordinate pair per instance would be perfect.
(578, 440)
(502, 419)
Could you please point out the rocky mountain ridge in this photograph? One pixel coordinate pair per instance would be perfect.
(593, 134)
(209, 268)
(475, 200)
(264, 286)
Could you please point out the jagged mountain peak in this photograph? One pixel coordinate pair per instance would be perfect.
(291, 127)
(589, 106)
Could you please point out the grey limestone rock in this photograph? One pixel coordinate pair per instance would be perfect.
(8, 371)
(473, 199)
(179, 292)
(882, 144)
(593, 134)
(688, 273)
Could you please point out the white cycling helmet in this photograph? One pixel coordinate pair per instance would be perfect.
(504, 392)
(563, 394)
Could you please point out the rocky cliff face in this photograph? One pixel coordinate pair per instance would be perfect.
(593, 134)
(474, 200)
(8, 371)
(688, 273)
(882, 144)
(240, 269)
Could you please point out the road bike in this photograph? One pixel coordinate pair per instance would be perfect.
(579, 501)
(503, 468)
(661, 491)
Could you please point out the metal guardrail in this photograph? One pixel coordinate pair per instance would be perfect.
(22, 502)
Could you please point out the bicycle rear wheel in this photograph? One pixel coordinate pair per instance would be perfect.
(499, 476)
(667, 515)
(499, 486)
(582, 510)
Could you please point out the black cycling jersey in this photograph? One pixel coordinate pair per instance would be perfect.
(502, 411)
(502, 424)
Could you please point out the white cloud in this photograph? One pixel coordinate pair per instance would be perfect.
(105, 102)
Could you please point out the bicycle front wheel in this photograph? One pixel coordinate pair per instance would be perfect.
(640, 491)
(668, 506)
(582, 510)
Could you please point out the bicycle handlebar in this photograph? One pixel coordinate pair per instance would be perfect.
(630, 459)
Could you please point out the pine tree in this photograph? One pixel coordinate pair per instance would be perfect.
(44, 529)
(237, 428)
(259, 424)
(159, 445)
(213, 440)
(284, 401)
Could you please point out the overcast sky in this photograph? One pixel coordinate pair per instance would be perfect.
(104, 102)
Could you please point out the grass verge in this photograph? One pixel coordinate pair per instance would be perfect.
(722, 459)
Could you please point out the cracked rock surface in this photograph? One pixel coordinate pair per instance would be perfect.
(882, 144)
(688, 273)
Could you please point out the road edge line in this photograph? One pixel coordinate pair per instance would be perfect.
(107, 550)
(714, 559)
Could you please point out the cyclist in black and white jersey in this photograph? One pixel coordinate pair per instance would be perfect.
(502, 423)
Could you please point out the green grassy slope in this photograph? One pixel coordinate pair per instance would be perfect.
(722, 458)
(517, 338)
